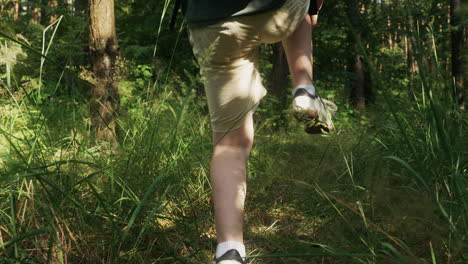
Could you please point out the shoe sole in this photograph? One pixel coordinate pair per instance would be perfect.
(317, 128)
(226, 262)
(305, 115)
(313, 125)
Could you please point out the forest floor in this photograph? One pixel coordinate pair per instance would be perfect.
(371, 192)
(287, 213)
(389, 186)
(314, 198)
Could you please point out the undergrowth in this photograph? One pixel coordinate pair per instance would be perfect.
(389, 186)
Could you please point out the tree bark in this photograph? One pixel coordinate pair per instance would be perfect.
(16, 13)
(36, 15)
(80, 7)
(411, 64)
(356, 67)
(103, 53)
(280, 72)
(279, 81)
(52, 6)
(457, 47)
(13, 8)
(44, 12)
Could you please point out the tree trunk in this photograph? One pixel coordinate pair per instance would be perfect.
(279, 81)
(13, 8)
(280, 72)
(457, 47)
(410, 61)
(16, 13)
(44, 12)
(103, 52)
(36, 15)
(80, 7)
(358, 95)
(356, 67)
(52, 6)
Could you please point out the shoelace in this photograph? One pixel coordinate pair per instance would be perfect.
(329, 106)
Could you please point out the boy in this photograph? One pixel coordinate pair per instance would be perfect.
(225, 37)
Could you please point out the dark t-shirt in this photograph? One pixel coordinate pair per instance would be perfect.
(203, 12)
(313, 8)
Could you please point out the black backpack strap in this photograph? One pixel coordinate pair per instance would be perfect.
(177, 6)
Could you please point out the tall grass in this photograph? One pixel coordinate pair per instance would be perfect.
(62, 194)
(420, 148)
(390, 191)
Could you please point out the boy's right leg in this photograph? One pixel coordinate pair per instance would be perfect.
(228, 56)
(228, 179)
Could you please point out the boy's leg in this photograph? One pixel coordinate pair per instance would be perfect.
(307, 105)
(228, 179)
(298, 49)
(231, 151)
(228, 56)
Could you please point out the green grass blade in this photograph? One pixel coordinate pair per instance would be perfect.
(24, 236)
(409, 168)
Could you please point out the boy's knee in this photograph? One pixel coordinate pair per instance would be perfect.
(242, 137)
(237, 140)
(245, 142)
(240, 140)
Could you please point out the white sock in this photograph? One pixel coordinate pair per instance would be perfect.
(225, 246)
(309, 88)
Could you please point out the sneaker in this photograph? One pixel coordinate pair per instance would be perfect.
(316, 112)
(231, 256)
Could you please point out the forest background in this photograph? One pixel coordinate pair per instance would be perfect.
(105, 138)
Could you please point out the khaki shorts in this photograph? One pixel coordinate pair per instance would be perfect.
(228, 56)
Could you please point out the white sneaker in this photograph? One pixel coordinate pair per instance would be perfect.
(316, 112)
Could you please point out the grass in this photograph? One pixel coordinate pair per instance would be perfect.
(388, 187)
(357, 196)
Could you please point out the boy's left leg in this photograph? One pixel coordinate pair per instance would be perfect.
(307, 105)
(298, 49)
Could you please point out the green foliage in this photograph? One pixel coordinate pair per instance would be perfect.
(393, 69)
(388, 187)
